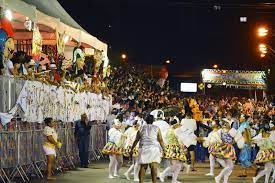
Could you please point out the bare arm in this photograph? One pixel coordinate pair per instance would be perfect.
(136, 141)
(161, 140)
(51, 140)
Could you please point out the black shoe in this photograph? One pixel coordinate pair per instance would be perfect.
(84, 166)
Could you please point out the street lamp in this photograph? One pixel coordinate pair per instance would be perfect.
(168, 61)
(215, 66)
(263, 50)
(123, 56)
(262, 32)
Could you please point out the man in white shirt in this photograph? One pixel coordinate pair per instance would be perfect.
(159, 121)
(191, 126)
(163, 126)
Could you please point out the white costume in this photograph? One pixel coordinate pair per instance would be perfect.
(186, 136)
(114, 149)
(149, 147)
(176, 154)
(48, 147)
(210, 141)
(265, 155)
(163, 126)
(131, 134)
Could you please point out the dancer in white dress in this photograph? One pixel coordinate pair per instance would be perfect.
(211, 142)
(175, 153)
(225, 151)
(266, 154)
(163, 126)
(131, 134)
(150, 144)
(114, 149)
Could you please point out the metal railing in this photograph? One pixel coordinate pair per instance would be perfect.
(22, 156)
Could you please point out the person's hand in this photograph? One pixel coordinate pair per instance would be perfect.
(59, 145)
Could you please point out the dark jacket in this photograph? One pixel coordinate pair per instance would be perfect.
(81, 129)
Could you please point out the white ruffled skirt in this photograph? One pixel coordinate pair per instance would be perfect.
(49, 150)
(149, 155)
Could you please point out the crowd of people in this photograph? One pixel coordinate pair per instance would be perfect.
(229, 130)
(151, 123)
(79, 75)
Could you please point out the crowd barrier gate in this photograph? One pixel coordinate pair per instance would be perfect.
(22, 156)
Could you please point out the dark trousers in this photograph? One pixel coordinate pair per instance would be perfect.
(83, 147)
(201, 153)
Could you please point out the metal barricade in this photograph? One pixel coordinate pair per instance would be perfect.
(97, 141)
(3, 176)
(72, 149)
(38, 153)
(22, 156)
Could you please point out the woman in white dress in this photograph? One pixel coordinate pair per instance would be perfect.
(150, 142)
(266, 154)
(114, 149)
(211, 142)
(49, 145)
(175, 153)
(131, 134)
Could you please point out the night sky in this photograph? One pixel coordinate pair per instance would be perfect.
(192, 34)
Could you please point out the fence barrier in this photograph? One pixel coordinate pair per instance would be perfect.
(22, 156)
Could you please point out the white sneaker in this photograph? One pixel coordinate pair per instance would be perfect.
(116, 175)
(136, 180)
(209, 174)
(161, 177)
(111, 177)
(127, 176)
(217, 179)
(188, 169)
(254, 179)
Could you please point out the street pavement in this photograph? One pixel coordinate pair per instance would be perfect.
(98, 173)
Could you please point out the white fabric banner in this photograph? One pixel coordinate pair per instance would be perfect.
(39, 101)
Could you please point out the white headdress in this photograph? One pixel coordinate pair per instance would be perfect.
(158, 114)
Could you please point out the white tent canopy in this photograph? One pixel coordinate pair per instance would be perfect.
(50, 13)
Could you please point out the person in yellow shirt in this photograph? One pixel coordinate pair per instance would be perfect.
(49, 145)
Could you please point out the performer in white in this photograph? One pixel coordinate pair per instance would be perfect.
(211, 142)
(150, 141)
(131, 134)
(225, 151)
(186, 135)
(159, 122)
(266, 154)
(163, 126)
(175, 153)
(114, 149)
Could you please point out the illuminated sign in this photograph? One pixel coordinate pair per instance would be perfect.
(246, 79)
(188, 87)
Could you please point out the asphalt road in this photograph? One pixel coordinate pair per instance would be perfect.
(98, 173)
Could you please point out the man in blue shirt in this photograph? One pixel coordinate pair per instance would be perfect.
(82, 135)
